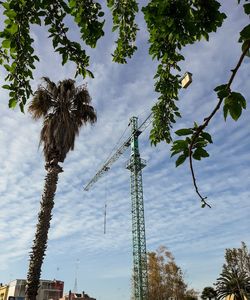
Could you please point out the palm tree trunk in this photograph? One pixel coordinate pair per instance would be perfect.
(41, 236)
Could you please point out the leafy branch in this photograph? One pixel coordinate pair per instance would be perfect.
(124, 20)
(234, 102)
(173, 25)
(86, 14)
(17, 53)
(197, 139)
(55, 13)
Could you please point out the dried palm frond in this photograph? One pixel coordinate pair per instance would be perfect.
(65, 108)
(40, 104)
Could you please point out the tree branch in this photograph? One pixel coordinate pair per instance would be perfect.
(206, 122)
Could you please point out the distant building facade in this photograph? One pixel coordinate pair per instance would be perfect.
(76, 296)
(3, 291)
(232, 297)
(48, 290)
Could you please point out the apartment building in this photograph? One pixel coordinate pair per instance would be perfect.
(48, 290)
(3, 291)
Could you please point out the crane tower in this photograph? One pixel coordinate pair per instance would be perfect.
(135, 165)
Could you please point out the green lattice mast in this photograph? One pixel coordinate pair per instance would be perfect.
(135, 165)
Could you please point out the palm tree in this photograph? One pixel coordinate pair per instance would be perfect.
(233, 282)
(64, 109)
(208, 293)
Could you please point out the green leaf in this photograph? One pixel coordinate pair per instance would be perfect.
(247, 8)
(177, 114)
(199, 153)
(203, 152)
(184, 131)
(220, 87)
(225, 111)
(239, 98)
(235, 111)
(13, 29)
(180, 144)
(222, 91)
(12, 103)
(6, 86)
(64, 57)
(7, 67)
(21, 105)
(174, 152)
(180, 160)
(10, 13)
(115, 27)
(207, 137)
(6, 43)
(203, 205)
(234, 104)
(244, 47)
(223, 94)
(90, 74)
(245, 33)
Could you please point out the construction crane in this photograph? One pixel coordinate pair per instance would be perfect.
(135, 165)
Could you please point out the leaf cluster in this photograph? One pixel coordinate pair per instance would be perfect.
(17, 53)
(172, 25)
(182, 147)
(208, 293)
(235, 276)
(165, 277)
(87, 14)
(124, 12)
(234, 103)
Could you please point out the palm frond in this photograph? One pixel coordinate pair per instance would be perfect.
(66, 90)
(65, 108)
(85, 114)
(233, 282)
(82, 95)
(40, 104)
(82, 110)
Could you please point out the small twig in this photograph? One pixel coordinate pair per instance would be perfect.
(206, 122)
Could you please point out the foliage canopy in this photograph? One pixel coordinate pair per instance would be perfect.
(235, 276)
(165, 277)
(172, 25)
(208, 293)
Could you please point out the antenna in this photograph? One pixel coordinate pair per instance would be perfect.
(105, 217)
(76, 269)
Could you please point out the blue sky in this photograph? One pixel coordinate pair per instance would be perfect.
(197, 237)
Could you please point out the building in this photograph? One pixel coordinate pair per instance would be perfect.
(76, 296)
(232, 297)
(48, 290)
(3, 291)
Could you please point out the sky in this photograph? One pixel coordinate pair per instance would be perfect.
(77, 245)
